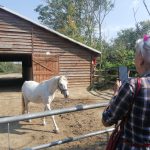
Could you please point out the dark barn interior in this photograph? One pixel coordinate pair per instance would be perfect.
(25, 60)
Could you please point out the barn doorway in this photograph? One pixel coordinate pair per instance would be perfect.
(10, 77)
(36, 66)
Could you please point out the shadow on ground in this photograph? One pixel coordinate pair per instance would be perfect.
(10, 84)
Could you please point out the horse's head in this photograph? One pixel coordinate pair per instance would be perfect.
(62, 84)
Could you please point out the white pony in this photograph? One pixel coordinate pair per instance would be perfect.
(43, 92)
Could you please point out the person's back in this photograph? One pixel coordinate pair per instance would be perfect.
(137, 127)
(136, 131)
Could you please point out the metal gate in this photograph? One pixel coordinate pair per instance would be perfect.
(44, 66)
(11, 119)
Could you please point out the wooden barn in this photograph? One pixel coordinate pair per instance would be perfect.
(44, 52)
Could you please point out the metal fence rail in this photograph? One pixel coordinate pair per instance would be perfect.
(51, 112)
(55, 112)
(70, 139)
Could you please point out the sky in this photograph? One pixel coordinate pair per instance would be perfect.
(121, 17)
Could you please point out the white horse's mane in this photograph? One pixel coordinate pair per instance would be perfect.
(55, 77)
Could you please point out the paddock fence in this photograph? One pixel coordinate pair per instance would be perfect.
(107, 77)
(8, 120)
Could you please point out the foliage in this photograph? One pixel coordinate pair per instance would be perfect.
(116, 58)
(126, 39)
(77, 19)
(82, 19)
(63, 16)
(9, 67)
(121, 52)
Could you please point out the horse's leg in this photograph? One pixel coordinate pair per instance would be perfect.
(44, 120)
(27, 108)
(56, 127)
(53, 118)
(23, 104)
(26, 105)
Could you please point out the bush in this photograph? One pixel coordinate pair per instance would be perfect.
(10, 67)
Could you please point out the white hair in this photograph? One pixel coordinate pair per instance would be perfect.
(143, 47)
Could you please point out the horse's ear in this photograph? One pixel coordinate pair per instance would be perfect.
(63, 77)
(66, 74)
(68, 77)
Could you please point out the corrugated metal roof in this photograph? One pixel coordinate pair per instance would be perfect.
(50, 30)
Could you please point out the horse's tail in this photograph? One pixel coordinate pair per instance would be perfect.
(23, 105)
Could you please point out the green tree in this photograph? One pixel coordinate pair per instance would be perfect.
(143, 28)
(121, 52)
(125, 39)
(64, 16)
(77, 19)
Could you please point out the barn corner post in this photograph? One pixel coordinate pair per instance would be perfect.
(27, 64)
(93, 70)
(95, 61)
(33, 55)
(32, 43)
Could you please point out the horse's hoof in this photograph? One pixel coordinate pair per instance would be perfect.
(56, 131)
(29, 120)
(44, 123)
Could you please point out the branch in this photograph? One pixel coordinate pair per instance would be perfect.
(107, 12)
(137, 24)
(146, 7)
(92, 10)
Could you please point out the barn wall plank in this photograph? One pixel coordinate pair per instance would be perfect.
(74, 60)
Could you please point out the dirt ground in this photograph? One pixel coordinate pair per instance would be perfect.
(24, 134)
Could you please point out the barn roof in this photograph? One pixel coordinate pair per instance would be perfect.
(50, 30)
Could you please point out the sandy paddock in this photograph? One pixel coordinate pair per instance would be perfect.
(24, 134)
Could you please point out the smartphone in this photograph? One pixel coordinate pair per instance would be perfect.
(123, 73)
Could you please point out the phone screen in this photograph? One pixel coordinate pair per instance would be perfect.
(123, 73)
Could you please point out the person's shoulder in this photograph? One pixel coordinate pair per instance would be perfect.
(131, 83)
(132, 80)
(128, 81)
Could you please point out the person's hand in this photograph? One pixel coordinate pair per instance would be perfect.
(116, 87)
